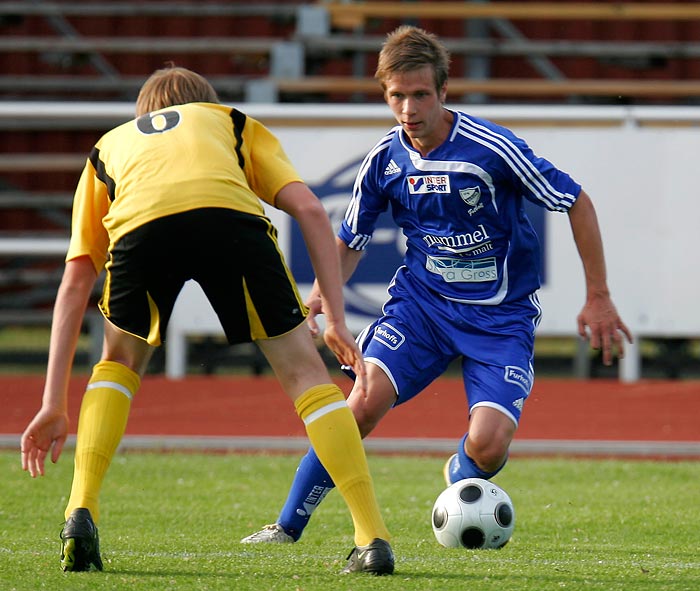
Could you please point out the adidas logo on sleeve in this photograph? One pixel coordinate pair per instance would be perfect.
(391, 168)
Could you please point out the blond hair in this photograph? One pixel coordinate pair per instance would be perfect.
(409, 48)
(173, 85)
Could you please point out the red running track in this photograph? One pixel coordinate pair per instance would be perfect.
(660, 411)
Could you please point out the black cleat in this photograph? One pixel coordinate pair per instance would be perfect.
(376, 558)
(80, 548)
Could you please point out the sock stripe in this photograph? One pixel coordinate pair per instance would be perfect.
(324, 410)
(111, 385)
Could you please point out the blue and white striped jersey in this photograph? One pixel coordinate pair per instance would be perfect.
(461, 209)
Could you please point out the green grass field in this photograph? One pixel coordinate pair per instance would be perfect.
(173, 521)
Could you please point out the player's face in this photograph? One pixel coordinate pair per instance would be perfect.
(417, 106)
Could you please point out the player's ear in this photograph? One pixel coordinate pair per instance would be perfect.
(442, 93)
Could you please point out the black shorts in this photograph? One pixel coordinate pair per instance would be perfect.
(234, 257)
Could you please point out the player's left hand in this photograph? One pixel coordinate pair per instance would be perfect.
(315, 306)
(600, 323)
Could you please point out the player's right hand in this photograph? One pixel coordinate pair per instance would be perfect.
(47, 431)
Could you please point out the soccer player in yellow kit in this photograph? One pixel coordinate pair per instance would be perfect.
(176, 195)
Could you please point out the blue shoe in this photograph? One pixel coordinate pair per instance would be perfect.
(80, 547)
(447, 469)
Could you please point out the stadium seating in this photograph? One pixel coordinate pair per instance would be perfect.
(281, 51)
(301, 52)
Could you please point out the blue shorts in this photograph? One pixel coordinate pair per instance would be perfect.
(421, 333)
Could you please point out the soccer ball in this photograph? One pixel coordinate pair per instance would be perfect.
(473, 513)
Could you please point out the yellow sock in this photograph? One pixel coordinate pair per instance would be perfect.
(335, 437)
(103, 415)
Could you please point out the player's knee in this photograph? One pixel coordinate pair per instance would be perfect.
(488, 453)
(490, 462)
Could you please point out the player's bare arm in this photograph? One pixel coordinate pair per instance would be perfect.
(598, 320)
(349, 259)
(298, 200)
(49, 428)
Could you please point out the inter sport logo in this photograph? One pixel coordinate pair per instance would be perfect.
(432, 183)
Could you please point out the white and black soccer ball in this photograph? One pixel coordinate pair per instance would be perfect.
(473, 513)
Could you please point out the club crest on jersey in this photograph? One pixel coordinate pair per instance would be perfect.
(432, 183)
(471, 196)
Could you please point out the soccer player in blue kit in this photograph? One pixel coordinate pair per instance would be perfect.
(468, 285)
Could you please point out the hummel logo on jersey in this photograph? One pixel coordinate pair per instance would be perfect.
(391, 168)
(434, 183)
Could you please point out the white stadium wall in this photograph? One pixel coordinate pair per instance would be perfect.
(639, 164)
(641, 169)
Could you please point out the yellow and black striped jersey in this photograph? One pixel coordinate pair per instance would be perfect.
(173, 160)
